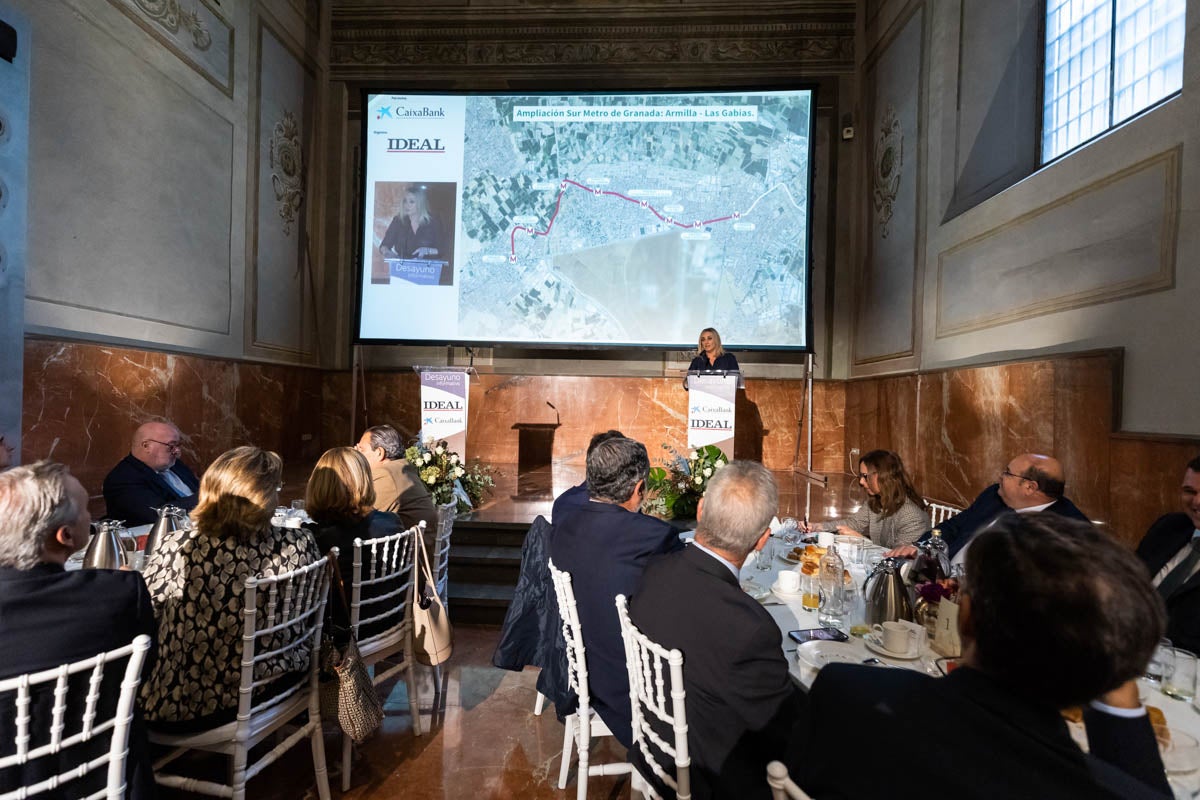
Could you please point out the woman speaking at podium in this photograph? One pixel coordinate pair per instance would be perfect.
(711, 355)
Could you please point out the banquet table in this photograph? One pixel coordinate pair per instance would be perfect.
(790, 615)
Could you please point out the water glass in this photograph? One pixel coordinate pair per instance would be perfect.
(1180, 680)
(1158, 662)
(850, 548)
(765, 556)
(790, 530)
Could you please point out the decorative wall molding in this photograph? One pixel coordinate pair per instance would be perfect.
(286, 155)
(889, 159)
(1048, 260)
(821, 40)
(198, 35)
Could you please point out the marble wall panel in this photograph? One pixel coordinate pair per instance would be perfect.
(881, 414)
(82, 403)
(14, 187)
(1084, 417)
(1146, 473)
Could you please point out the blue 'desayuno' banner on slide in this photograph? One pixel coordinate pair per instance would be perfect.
(587, 220)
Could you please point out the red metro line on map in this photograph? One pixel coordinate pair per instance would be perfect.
(567, 182)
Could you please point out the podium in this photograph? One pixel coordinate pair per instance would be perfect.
(444, 395)
(712, 396)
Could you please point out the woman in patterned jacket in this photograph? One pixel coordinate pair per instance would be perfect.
(196, 579)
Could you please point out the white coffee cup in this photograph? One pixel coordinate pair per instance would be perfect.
(825, 539)
(789, 581)
(894, 636)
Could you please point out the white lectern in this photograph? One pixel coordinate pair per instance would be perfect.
(712, 395)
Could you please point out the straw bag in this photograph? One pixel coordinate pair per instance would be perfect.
(433, 639)
(347, 692)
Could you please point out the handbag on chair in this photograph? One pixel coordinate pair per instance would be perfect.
(433, 638)
(347, 692)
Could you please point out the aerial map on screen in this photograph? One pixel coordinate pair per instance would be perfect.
(599, 219)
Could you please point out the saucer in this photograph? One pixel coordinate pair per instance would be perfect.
(874, 644)
(782, 595)
(819, 653)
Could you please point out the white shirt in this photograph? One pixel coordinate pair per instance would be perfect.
(961, 556)
(1176, 560)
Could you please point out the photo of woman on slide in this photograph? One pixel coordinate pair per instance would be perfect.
(420, 229)
(414, 233)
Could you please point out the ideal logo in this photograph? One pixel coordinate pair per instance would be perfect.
(717, 424)
(415, 146)
(442, 405)
(384, 112)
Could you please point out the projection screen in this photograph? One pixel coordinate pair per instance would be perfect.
(586, 220)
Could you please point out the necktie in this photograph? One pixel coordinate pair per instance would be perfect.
(176, 483)
(1183, 570)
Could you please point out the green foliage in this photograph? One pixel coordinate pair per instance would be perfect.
(442, 471)
(675, 489)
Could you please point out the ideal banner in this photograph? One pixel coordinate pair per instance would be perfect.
(710, 411)
(444, 408)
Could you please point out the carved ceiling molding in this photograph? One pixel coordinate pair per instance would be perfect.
(362, 49)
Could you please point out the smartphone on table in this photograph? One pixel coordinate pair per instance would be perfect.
(818, 635)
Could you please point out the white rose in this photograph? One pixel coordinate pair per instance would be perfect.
(719, 464)
(699, 480)
(459, 472)
(439, 450)
(707, 471)
(428, 457)
(431, 479)
(454, 458)
(692, 456)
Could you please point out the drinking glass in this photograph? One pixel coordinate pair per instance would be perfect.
(1180, 680)
(811, 594)
(850, 548)
(1158, 662)
(791, 532)
(1181, 758)
(765, 556)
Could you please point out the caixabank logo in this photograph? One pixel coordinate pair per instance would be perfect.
(409, 112)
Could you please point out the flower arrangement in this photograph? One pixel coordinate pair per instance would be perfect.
(674, 490)
(447, 476)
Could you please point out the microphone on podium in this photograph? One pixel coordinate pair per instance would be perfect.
(557, 416)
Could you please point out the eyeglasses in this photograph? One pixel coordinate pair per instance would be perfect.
(862, 476)
(168, 445)
(1004, 472)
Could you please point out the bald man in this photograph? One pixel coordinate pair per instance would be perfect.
(150, 476)
(1030, 482)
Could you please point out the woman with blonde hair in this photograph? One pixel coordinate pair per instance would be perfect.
(710, 354)
(340, 499)
(196, 579)
(894, 513)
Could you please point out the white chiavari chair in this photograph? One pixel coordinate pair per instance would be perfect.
(281, 613)
(654, 703)
(382, 590)
(940, 512)
(29, 744)
(783, 787)
(439, 558)
(585, 724)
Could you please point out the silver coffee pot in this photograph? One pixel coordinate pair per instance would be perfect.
(886, 594)
(106, 550)
(170, 519)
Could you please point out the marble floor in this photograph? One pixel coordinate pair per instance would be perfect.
(485, 744)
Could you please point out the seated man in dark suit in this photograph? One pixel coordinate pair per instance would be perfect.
(577, 496)
(1054, 613)
(605, 546)
(1030, 483)
(50, 617)
(149, 477)
(1171, 550)
(740, 701)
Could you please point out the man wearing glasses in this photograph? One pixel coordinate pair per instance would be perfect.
(149, 477)
(1030, 483)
